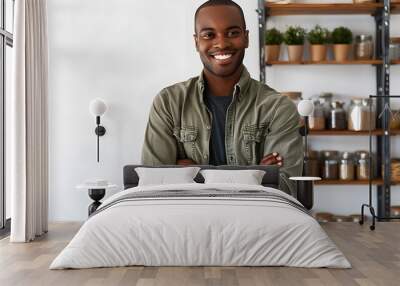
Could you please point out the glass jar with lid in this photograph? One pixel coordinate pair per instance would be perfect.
(361, 116)
(364, 47)
(369, 106)
(316, 120)
(394, 49)
(363, 171)
(346, 166)
(330, 165)
(337, 116)
(325, 99)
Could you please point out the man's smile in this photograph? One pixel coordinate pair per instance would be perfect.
(223, 57)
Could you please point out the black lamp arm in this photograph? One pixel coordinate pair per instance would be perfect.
(99, 131)
(305, 138)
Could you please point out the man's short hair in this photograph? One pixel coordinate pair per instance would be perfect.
(210, 3)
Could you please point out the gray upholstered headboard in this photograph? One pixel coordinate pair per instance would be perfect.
(271, 178)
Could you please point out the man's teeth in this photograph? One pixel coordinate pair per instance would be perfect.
(222, 57)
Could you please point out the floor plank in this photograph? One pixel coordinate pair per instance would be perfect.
(374, 255)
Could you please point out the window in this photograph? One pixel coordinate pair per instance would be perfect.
(6, 44)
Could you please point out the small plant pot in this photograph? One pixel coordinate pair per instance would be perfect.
(295, 53)
(272, 52)
(318, 53)
(341, 52)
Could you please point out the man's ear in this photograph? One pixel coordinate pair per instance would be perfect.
(196, 42)
(246, 35)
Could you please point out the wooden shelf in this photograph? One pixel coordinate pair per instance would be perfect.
(350, 62)
(353, 182)
(273, 9)
(396, 62)
(395, 8)
(376, 132)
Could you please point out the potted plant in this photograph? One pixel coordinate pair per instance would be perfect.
(273, 41)
(318, 38)
(342, 39)
(294, 39)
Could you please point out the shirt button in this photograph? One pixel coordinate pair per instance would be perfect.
(208, 127)
(205, 156)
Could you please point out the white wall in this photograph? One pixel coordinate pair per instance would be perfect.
(125, 51)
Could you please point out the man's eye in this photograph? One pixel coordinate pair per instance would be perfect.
(207, 35)
(234, 33)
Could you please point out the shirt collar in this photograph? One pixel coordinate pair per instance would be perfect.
(240, 87)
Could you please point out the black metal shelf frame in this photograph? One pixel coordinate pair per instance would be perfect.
(382, 30)
(385, 216)
(382, 21)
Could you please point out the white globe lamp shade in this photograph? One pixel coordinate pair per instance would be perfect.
(97, 107)
(305, 107)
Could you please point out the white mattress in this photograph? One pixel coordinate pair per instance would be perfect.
(200, 231)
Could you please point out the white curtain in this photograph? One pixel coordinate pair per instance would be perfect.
(28, 122)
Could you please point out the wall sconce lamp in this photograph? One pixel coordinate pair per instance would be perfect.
(97, 108)
(305, 109)
(305, 183)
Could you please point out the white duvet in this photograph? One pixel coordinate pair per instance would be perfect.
(200, 231)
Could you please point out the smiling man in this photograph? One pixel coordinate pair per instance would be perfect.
(224, 116)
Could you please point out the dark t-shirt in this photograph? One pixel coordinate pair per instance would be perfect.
(218, 105)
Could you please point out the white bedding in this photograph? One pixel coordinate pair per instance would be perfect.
(200, 231)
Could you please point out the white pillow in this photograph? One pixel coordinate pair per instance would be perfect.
(248, 177)
(163, 176)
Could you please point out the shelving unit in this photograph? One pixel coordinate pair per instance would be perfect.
(381, 13)
(321, 8)
(377, 132)
(395, 8)
(350, 62)
(353, 182)
(328, 8)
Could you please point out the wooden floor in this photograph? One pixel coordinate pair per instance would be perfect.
(375, 257)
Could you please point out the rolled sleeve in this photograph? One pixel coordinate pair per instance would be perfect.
(160, 145)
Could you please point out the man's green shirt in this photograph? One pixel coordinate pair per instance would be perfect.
(259, 121)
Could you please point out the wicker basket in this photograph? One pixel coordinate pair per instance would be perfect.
(395, 120)
(356, 217)
(342, 218)
(394, 170)
(324, 217)
(395, 210)
(328, 217)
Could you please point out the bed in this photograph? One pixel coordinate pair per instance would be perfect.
(198, 224)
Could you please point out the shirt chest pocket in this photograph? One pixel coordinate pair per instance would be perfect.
(188, 135)
(254, 137)
(187, 138)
